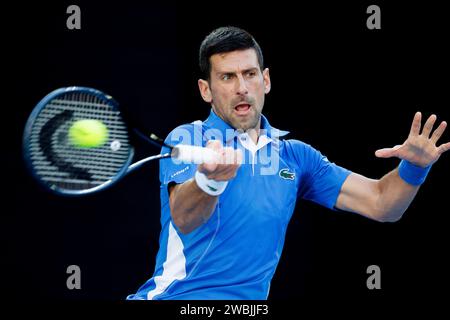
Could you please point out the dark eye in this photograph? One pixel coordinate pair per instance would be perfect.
(251, 73)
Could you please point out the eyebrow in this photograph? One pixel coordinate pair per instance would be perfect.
(231, 72)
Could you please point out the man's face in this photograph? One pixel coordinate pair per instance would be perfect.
(236, 88)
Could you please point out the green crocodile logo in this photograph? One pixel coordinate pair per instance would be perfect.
(211, 188)
(286, 174)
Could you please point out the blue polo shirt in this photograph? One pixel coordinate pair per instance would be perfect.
(234, 254)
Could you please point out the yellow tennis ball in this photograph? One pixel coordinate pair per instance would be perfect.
(88, 133)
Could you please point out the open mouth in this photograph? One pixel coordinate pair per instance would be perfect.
(242, 109)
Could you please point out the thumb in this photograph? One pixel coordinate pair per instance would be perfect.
(387, 152)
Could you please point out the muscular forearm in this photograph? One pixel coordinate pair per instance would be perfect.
(190, 206)
(193, 202)
(394, 197)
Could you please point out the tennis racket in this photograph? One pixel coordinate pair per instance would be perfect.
(63, 168)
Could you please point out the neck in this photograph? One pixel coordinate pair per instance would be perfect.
(254, 132)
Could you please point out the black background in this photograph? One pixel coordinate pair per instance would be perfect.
(336, 85)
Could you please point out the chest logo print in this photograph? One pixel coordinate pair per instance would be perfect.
(286, 174)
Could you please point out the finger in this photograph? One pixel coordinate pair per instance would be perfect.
(384, 153)
(415, 127)
(229, 174)
(216, 145)
(219, 169)
(439, 131)
(444, 147)
(207, 168)
(232, 156)
(229, 156)
(387, 152)
(429, 126)
(223, 172)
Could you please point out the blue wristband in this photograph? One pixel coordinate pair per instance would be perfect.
(412, 173)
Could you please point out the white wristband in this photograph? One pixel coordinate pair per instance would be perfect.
(210, 186)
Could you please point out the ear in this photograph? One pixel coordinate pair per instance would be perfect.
(266, 78)
(205, 91)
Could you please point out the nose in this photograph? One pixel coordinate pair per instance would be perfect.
(241, 86)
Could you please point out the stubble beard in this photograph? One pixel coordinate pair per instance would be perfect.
(247, 125)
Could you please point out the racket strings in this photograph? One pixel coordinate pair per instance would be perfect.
(61, 164)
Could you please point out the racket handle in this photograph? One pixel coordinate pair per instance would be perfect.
(194, 154)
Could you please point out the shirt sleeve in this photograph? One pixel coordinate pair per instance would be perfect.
(321, 179)
(172, 170)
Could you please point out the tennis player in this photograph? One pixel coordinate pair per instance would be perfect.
(224, 223)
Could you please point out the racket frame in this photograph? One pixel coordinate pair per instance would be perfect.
(27, 136)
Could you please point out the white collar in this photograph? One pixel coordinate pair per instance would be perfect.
(248, 143)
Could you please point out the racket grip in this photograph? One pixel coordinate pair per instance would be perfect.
(194, 154)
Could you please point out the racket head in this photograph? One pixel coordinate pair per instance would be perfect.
(55, 162)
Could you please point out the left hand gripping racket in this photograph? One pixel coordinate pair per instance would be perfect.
(65, 169)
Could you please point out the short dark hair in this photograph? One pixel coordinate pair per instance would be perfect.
(226, 39)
